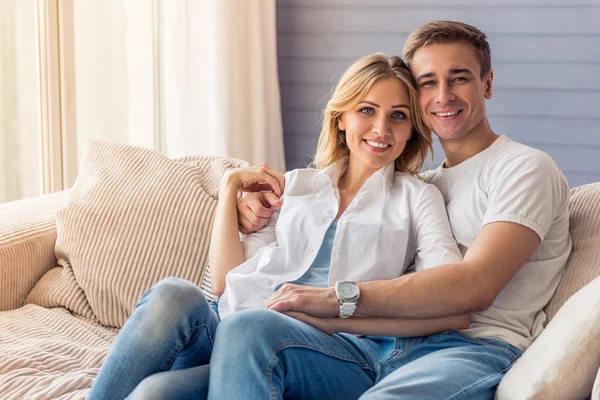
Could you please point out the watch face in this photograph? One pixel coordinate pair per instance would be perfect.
(348, 290)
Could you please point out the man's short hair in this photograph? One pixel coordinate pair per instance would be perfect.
(440, 32)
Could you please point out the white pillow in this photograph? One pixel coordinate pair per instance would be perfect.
(596, 390)
(563, 361)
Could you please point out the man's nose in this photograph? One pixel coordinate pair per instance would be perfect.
(444, 94)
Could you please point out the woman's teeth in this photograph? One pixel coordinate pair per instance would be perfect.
(378, 145)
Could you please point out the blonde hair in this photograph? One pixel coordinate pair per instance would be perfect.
(350, 90)
(441, 32)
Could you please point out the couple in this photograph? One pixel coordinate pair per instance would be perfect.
(319, 304)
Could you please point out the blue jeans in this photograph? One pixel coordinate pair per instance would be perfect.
(164, 348)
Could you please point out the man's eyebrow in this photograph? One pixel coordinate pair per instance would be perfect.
(427, 75)
(377, 105)
(455, 71)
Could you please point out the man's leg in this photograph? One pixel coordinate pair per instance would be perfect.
(172, 327)
(262, 354)
(445, 366)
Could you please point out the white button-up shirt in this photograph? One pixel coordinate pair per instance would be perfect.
(393, 222)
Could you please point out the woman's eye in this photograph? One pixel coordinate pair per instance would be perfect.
(366, 110)
(398, 115)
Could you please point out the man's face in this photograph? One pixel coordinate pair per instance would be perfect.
(451, 91)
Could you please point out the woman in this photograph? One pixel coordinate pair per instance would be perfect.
(361, 215)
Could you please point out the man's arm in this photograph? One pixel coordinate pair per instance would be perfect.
(495, 256)
(377, 326)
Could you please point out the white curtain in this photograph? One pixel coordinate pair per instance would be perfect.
(20, 114)
(185, 77)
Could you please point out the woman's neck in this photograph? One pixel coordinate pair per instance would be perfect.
(350, 183)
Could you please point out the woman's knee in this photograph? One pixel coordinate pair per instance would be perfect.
(174, 294)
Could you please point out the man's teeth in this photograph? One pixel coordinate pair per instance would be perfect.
(448, 114)
(378, 145)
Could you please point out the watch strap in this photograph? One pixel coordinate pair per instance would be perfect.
(347, 309)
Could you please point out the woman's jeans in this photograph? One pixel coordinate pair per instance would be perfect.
(164, 349)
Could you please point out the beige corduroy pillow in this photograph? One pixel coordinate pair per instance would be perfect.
(132, 218)
(584, 262)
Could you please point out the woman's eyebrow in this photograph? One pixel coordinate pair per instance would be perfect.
(378, 106)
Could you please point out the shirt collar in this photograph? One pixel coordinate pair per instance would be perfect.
(330, 175)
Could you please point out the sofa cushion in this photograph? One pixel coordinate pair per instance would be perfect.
(596, 389)
(132, 218)
(583, 264)
(563, 361)
(49, 354)
(27, 237)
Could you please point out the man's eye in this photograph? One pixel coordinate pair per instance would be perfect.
(459, 79)
(366, 110)
(428, 83)
(398, 115)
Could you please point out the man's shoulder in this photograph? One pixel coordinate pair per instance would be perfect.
(519, 157)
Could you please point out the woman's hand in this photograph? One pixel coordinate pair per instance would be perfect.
(259, 178)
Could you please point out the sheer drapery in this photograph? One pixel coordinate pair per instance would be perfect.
(185, 77)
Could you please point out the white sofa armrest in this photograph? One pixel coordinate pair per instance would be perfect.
(27, 239)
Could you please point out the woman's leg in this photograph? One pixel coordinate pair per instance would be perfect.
(172, 327)
(262, 354)
(182, 384)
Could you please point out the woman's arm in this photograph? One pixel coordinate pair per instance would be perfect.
(378, 326)
(226, 251)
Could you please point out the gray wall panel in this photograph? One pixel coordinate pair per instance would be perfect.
(546, 59)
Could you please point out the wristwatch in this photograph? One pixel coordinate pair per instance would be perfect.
(347, 293)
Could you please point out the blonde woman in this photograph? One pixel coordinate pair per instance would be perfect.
(349, 219)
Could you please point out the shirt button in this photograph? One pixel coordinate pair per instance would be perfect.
(264, 298)
(271, 283)
(313, 251)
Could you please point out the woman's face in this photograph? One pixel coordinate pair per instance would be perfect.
(379, 126)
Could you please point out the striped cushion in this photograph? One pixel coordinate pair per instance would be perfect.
(49, 354)
(132, 218)
(584, 262)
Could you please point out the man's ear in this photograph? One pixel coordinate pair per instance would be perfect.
(488, 84)
(341, 124)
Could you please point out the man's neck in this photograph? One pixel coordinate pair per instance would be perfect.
(459, 150)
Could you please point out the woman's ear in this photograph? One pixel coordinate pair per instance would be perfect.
(341, 125)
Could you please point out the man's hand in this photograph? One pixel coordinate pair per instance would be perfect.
(327, 325)
(254, 211)
(317, 302)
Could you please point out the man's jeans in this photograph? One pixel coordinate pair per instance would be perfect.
(261, 354)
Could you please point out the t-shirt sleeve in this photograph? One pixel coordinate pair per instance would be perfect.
(435, 244)
(526, 188)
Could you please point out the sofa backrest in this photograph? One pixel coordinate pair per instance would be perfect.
(583, 264)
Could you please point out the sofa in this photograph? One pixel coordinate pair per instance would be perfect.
(74, 263)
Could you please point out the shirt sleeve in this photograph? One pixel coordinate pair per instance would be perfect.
(528, 189)
(435, 244)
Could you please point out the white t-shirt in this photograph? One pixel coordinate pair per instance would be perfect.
(395, 220)
(511, 182)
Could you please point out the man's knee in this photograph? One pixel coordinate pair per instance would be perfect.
(253, 326)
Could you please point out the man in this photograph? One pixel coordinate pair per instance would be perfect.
(508, 209)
